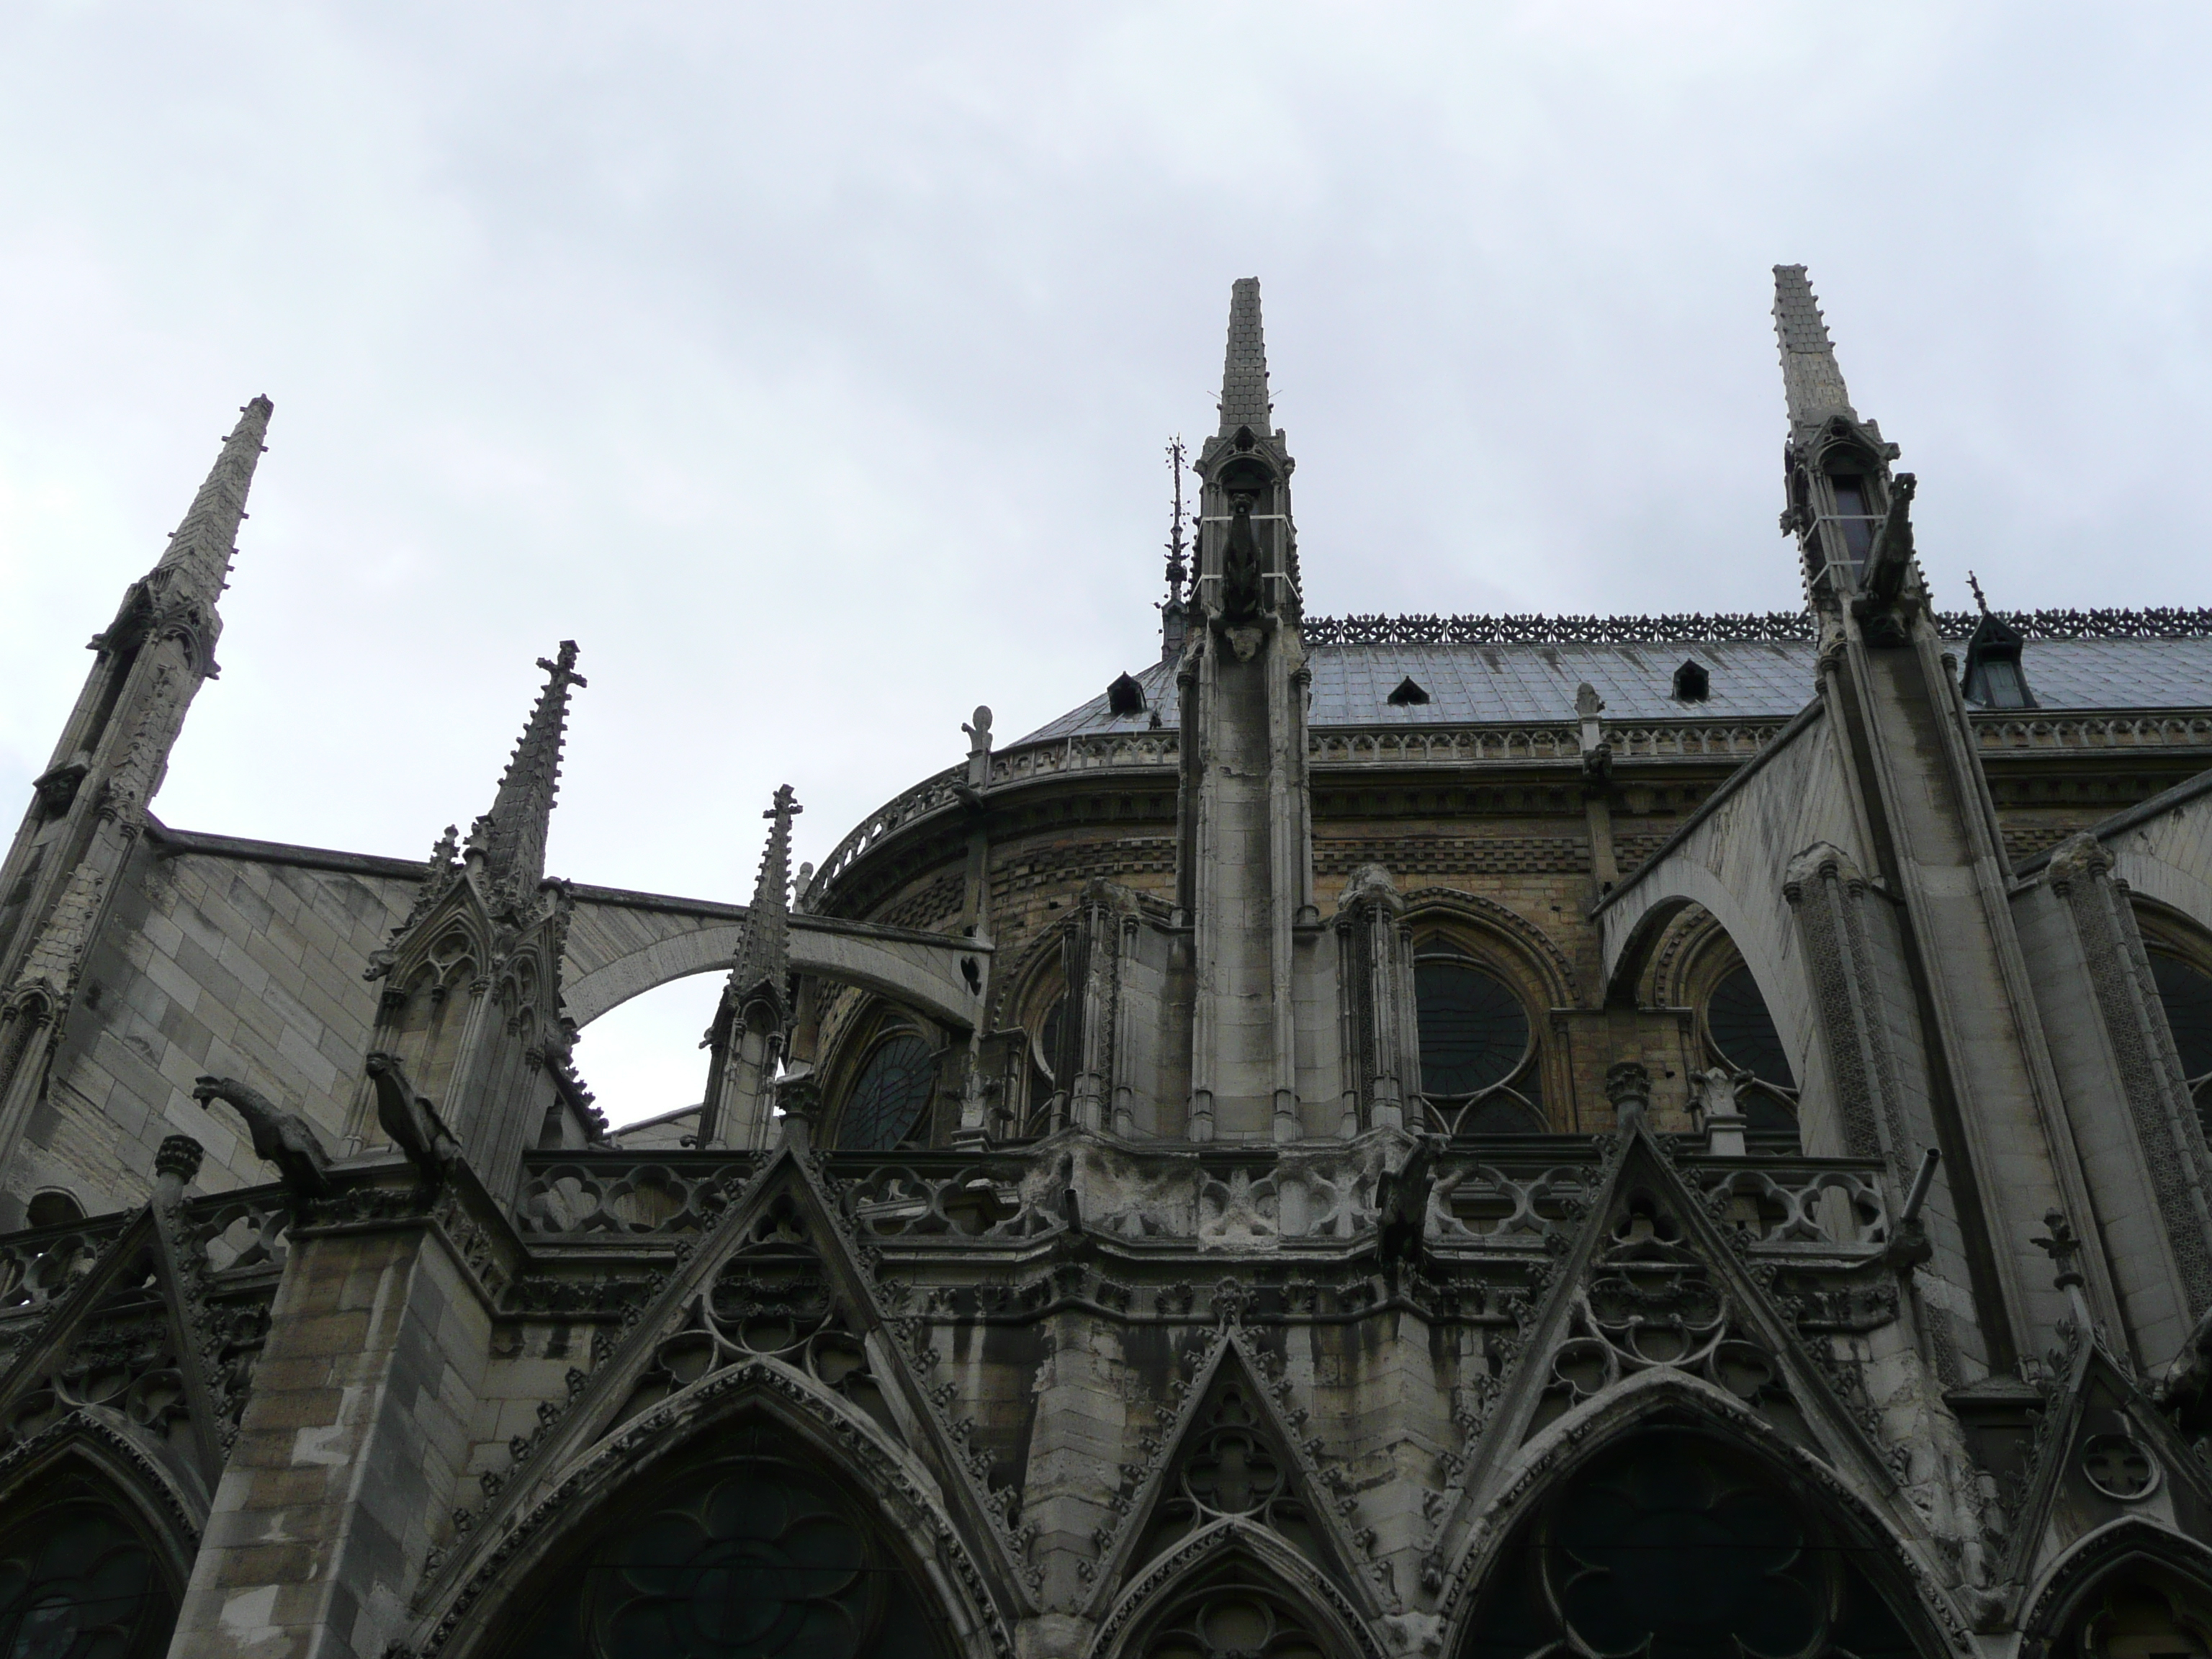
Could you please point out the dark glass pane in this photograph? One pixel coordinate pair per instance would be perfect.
(1499, 1116)
(1744, 1032)
(1850, 518)
(2186, 993)
(1473, 1030)
(1674, 1547)
(749, 1557)
(76, 1583)
(889, 1098)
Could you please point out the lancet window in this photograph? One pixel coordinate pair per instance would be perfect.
(752, 1553)
(2185, 990)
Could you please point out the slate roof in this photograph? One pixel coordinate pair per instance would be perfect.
(1513, 684)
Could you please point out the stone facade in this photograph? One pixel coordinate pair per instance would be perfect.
(1455, 1137)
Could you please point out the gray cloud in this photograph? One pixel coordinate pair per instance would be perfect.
(811, 367)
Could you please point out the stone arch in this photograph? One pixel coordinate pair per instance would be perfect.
(944, 978)
(1760, 929)
(83, 1486)
(761, 1403)
(1547, 965)
(2070, 1585)
(1233, 1558)
(1658, 1404)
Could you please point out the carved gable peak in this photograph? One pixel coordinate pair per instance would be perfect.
(1235, 1455)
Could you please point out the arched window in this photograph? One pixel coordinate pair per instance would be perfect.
(2145, 1614)
(887, 1099)
(1741, 1031)
(1233, 1614)
(752, 1553)
(52, 1208)
(1478, 1057)
(1674, 1546)
(78, 1581)
(2185, 990)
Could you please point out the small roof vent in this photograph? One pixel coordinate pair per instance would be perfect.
(1691, 683)
(1125, 697)
(1408, 692)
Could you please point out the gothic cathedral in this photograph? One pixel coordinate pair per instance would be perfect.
(1469, 1138)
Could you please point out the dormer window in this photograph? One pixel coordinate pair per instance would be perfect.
(1125, 697)
(1994, 678)
(1407, 692)
(1691, 683)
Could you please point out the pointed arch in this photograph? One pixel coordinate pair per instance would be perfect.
(1730, 1485)
(1232, 1567)
(2132, 1549)
(775, 1310)
(96, 1543)
(1231, 1454)
(762, 1423)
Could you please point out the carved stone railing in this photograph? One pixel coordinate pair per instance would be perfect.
(932, 794)
(38, 1269)
(1815, 1204)
(2017, 732)
(1773, 626)
(1094, 751)
(240, 1234)
(596, 1193)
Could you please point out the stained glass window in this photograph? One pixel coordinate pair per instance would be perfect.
(77, 1582)
(1674, 1547)
(751, 1556)
(1473, 1030)
(2185, 992)
(1743, 1031)
(888, 1097)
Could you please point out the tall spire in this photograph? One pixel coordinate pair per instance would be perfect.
(764, 959)
(512, 836)
(1245, 371)
(1174, 614)
(198, 557)
(1811, 381)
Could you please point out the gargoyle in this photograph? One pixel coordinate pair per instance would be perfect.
(1401, 1204)
(412, 1120)
(280, 1137)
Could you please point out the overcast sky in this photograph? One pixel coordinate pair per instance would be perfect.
(811, 366)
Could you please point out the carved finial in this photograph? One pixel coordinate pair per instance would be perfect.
(1628, 1086)
(179, 1155)
(1174, 612)
(511, 838)
(1588, 704)
(1980, 603)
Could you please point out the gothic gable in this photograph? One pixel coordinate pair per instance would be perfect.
(1231, 1463)
(776, 1309)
